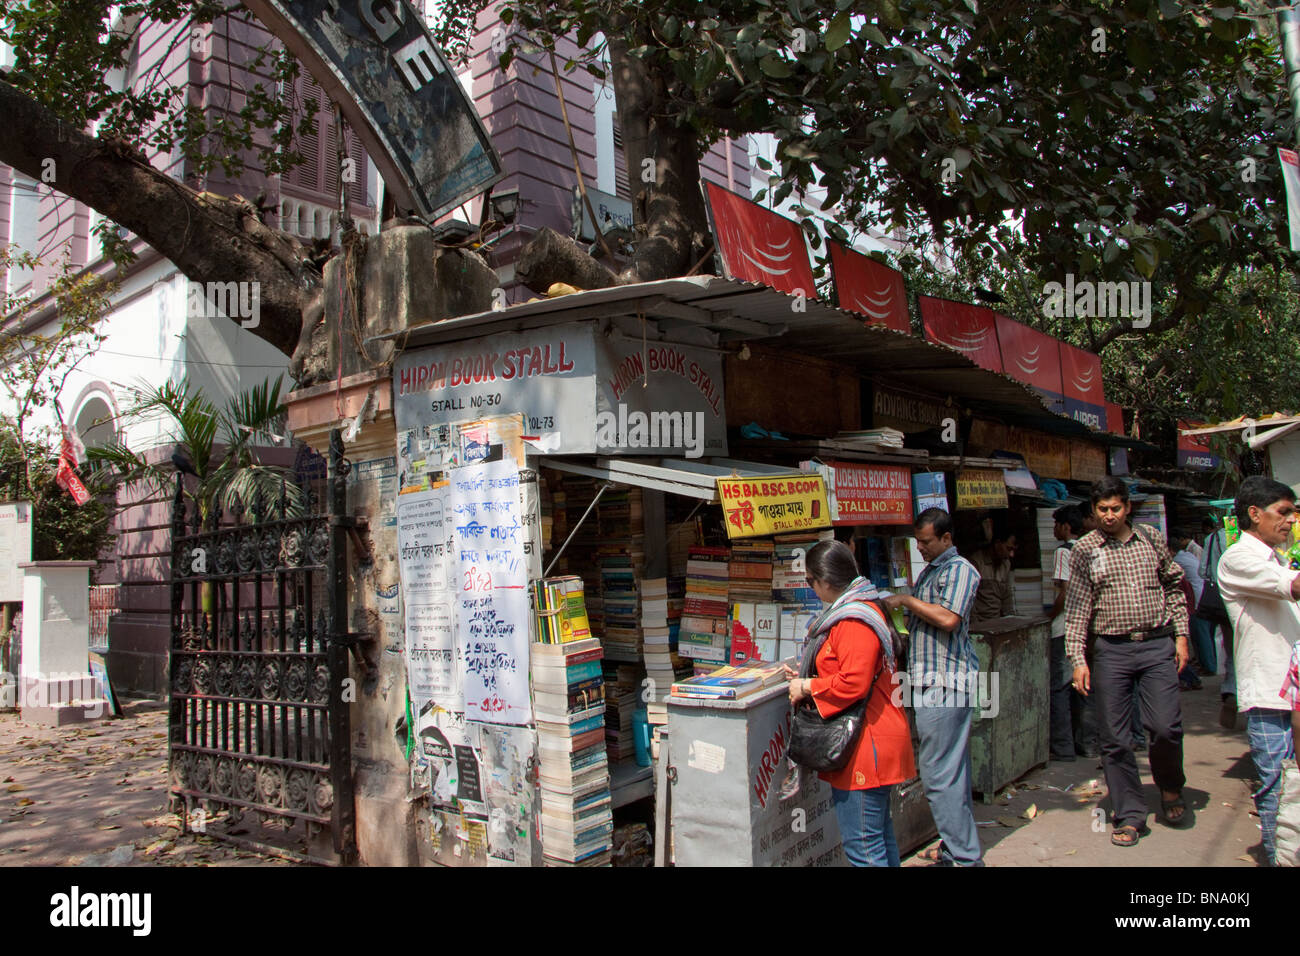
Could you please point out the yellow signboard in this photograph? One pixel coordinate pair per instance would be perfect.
(981, 488)
(753, 507)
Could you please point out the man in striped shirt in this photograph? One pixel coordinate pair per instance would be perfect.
(943, 669)
(1125, 598)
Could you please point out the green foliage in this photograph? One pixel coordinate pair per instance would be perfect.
(62, 531)
(1122, 141)
(219, 443)
(71, 57)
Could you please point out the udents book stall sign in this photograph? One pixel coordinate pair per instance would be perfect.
(865, 494)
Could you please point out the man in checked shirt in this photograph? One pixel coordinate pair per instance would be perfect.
(1126, 621)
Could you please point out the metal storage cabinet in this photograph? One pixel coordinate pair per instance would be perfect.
(729, 760)
(1009, 733)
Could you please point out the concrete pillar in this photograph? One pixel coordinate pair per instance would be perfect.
(55, 685)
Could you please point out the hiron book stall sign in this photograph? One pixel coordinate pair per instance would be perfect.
(970, 329)
(757, 245)
(380, 64)
(870, 287)
(649, 397)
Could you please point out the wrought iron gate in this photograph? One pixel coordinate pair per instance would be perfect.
(259, 665)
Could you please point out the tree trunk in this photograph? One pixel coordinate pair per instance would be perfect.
(670, 205)
(210, 238)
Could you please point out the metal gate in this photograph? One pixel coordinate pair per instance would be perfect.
(259, 665)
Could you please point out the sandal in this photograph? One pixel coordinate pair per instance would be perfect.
(932, 854)
(1175, 804)
(1125, 836)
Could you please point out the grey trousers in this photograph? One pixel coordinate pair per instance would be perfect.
(943, 759)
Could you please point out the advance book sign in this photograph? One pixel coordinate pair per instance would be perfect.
(754, 507)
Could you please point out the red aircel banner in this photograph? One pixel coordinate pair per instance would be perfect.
(1114, 419)
(1081, 379)
(870, 287)
(1031, 356)
(757, 245)
(970, 329)
(1194, 450)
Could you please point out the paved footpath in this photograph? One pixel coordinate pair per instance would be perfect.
(95, 794)
(1047, 818)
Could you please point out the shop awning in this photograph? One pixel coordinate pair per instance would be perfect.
(677, 476)
(733, 311)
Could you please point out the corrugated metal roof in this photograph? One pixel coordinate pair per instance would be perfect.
(737, 310)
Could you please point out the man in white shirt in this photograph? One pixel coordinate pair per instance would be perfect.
(1260, 593)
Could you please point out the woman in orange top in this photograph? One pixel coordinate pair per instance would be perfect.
(856, 658)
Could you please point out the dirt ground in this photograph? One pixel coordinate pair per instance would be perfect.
(95, 794)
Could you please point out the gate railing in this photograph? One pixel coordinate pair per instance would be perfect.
(259, 664)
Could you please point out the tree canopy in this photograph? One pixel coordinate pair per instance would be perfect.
(1111, 140)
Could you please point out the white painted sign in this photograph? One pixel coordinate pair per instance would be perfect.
(15, 546)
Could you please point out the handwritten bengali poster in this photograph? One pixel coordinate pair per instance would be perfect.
(492, 608)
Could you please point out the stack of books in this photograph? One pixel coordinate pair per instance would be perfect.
(559, 611)
(1047, 545)
(750, 570)
(622, 692)
(789, 571)
(619, 573)
(732, 682)
(703, 634)
(656, 635)
(569, 706)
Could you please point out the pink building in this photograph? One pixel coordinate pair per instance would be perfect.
(212, 65)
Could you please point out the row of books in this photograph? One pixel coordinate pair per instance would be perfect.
(573, 767)
(559, 610)
(733, 681)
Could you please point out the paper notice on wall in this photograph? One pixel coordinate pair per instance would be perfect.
(424, 547)
(492, 608)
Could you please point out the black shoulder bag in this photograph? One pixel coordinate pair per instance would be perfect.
(824, 744)
(1211, 606)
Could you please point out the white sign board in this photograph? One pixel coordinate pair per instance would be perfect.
(15, 546)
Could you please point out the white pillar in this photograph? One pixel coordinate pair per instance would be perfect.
(55, 684)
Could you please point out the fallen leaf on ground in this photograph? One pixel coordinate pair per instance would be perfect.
(26, 802)
(1010, 823)
(15, 787)
(110, 826)
(9, 780)
(1071, 852)
(1248, 859)
(1031, 812)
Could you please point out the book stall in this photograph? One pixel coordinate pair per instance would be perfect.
(596, 613)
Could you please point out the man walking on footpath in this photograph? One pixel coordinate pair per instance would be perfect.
(943, 663)
(1260, 593)
(1124, 595)
(1068, 525)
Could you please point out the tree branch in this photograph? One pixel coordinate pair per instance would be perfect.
(210, 238)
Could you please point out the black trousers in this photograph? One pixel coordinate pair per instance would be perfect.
(1148, 667)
